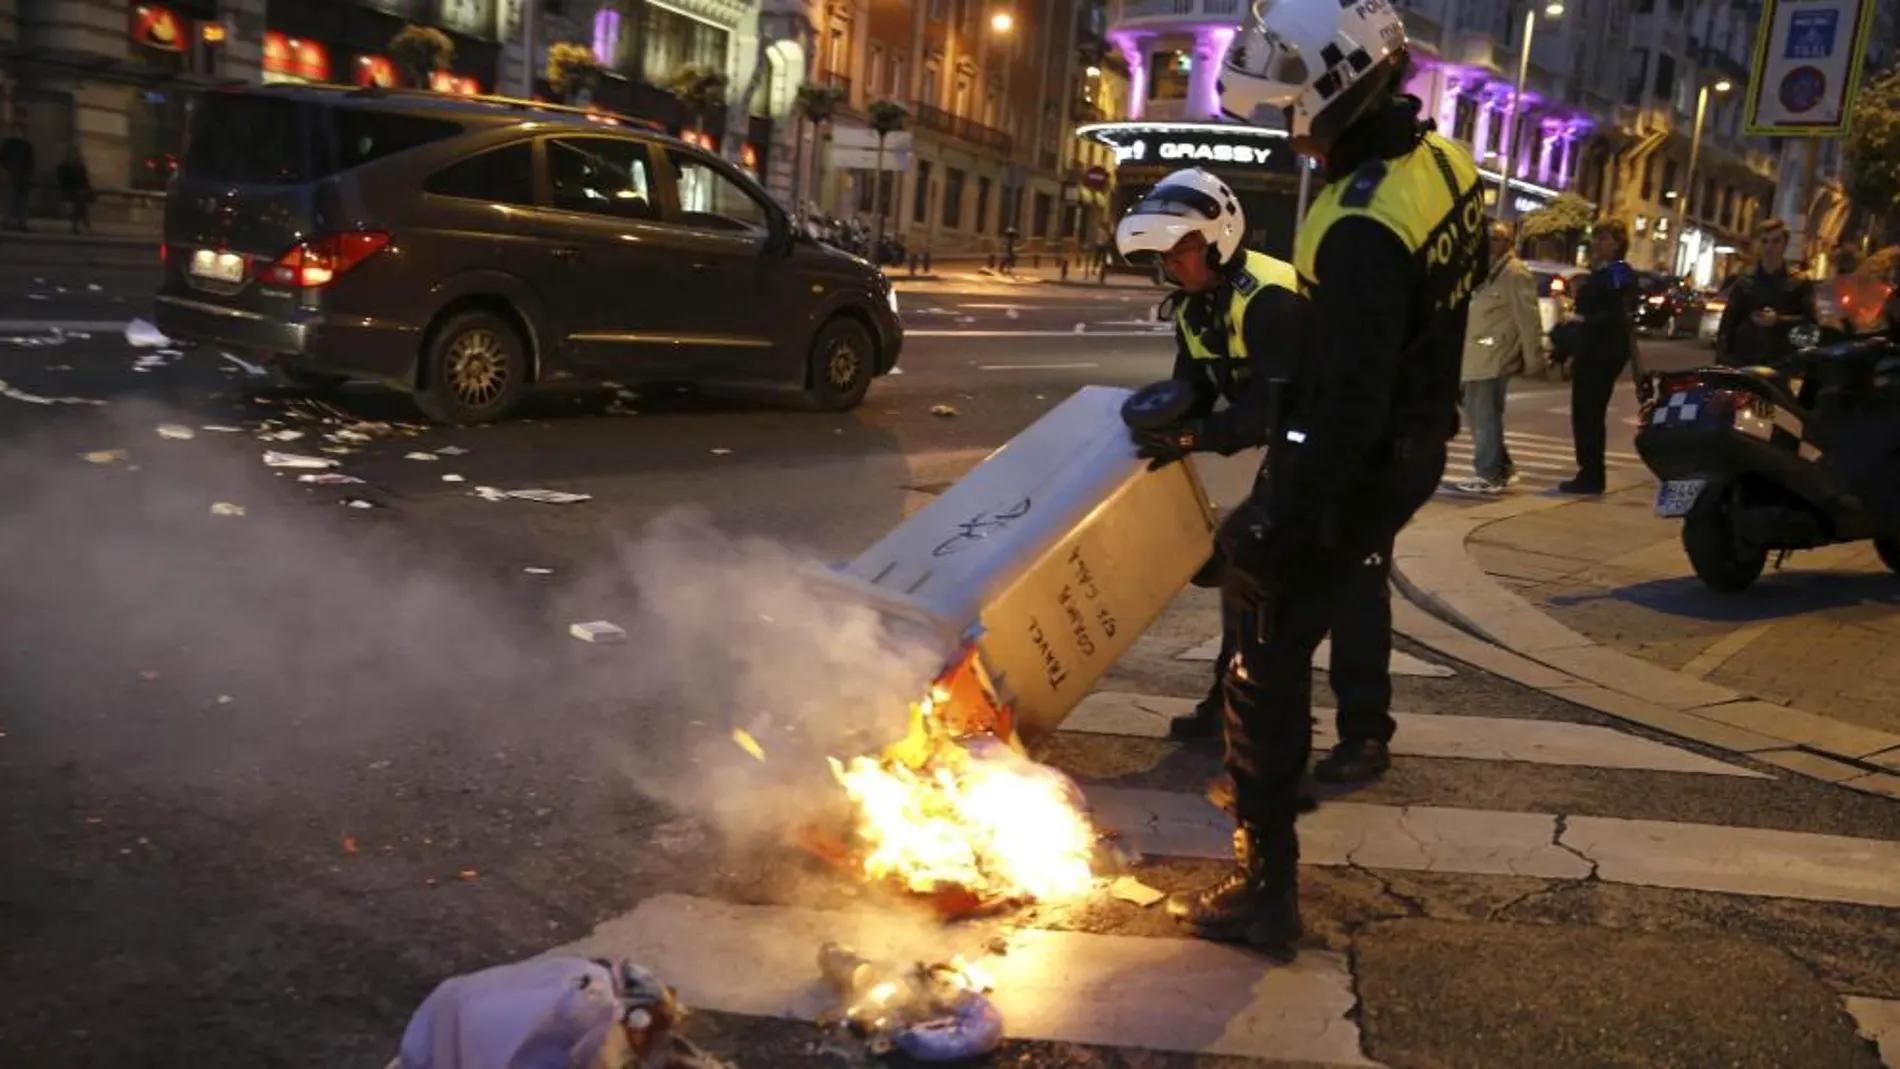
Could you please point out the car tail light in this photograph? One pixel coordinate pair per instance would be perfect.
(316, 263)
(1658, 301)
(1557, 287)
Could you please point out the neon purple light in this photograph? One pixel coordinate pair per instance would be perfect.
(606, 35)
(1213, 41)
(1130, 46)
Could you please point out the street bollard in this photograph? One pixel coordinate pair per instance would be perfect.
(992, 261)
(926, 261)
(1064, 265)
(913, 265)
(1036, 261)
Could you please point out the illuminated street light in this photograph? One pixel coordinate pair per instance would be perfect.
(1553, 11)
(1721, 85)
(1506, 164)
(1093, 72)
(1002, 22)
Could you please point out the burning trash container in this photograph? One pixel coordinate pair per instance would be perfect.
(1048, 559)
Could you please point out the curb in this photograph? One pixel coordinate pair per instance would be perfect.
(1463, 613)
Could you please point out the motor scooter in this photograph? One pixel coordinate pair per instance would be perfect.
(1773, 459)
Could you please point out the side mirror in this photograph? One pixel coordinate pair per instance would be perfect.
(779, 234)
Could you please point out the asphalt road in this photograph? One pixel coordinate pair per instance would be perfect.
(266, 778)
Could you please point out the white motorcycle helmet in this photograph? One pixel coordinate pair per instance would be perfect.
(1316, 63)
(1186, 202)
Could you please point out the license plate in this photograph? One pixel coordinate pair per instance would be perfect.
(219, 266)
(1678, 496)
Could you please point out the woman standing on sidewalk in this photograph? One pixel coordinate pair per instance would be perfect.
(1503, 338)
(1606, 344)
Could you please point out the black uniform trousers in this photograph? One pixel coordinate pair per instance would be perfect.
(1593, 379)
(1269, 708)
(1361, 666)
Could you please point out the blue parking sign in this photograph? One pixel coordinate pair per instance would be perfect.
(1811, 34)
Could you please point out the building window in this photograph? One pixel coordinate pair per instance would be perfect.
(920, 202)
(874, 72)
(1045, 205)
(1649, 178)
(1665, 76)
(1464, 122)
(1669, 180)
(952, 198)
(1168, 75)
(673, 41)
(929, 95)
(900, 88)
(982, 204)
(1638, 76)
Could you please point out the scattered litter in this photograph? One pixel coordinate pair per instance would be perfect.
(933, 1013)
(945, 411)
(380, 766)
(329, 478)
(966, 319)
(419, 456)
(225, 699)
(176, 432)
(360, 503)
(748, 743)
(294, 460)
(38, 297)
(59, 367)
(490, 493)
(244, 365)
(722, 452)
(94, 287)
(348, 436)
(467, 875)
(451, 451)
(144, 335)
(225, 508)
(148, 362)
(1081, 328)
(1011, 313)
(148, 674)
(219, 428)
(95, 821)
(895, 371)
(106, 456)
(548, 497)
(349, 845)
(33, 398)
(597, 631)
(539, 571)
(453, 479)
(1129, 889)
(286, 435)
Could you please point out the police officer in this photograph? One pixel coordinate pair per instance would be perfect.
(1237, 323)
(1388, 257)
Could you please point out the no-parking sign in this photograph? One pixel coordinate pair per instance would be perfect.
(1808, 56)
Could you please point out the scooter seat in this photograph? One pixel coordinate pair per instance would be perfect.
(1773, 375)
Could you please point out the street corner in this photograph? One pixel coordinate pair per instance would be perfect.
(1817, 633)
(1511, 995)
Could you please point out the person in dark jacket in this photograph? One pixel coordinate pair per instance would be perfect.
(16, 175)
(1388, 256)
(75, 187)
(1605, 345)
(1765, 304)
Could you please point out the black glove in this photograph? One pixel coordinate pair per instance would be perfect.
(1167, 445)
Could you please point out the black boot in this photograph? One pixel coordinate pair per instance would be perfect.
(1354, 761)
(1258, 903)
(1203, 723)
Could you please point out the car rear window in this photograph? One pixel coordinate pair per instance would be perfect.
(256, 139)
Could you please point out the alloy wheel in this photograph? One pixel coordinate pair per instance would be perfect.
(477, 370)
(842, 365)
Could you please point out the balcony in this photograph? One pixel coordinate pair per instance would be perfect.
(940, 121)
(1158, 14)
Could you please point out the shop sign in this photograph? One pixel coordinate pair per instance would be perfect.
(157, 26)
(445, 82)
(1096, 178)
(378, 72)
(509, 16)
(1218, 149)
(1522, 204)
(294, 59)
(473, 17)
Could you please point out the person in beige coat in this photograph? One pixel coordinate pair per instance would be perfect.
(1504, 337)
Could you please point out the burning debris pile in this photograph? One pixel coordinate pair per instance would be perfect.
(933, 1013)
(954, 811)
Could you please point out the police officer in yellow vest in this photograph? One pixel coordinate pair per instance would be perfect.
(1238, 327)
(1387, 257)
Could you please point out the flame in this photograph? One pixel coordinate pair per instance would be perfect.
(937, 813)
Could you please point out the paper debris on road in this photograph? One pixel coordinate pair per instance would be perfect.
(490, 493)
(225, 508)
(94, 287)
(1081, 328)
(1129, 889)
(945, 411)
(895, 371)
(451, 451)
(176, 431)
(550, 497)
(453, 479)
(285, 435)
(35, 399)
(539, 571)
(295, 460)
(144, 335)
(419, 456)
(219, 428)
(149, 361)
(722, 452)
(106, 456)
(747, 743)
(247, 367)
(360, 503)
(597, 631)
(329, 478)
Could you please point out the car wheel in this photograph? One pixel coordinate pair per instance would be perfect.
(843, 361)
(475, 370)
(302, 381)
(1889, 550)
(1723, 564)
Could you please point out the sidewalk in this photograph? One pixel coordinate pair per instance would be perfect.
(51, 242)
(976, 269)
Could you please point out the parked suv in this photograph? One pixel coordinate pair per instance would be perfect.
(470, 250)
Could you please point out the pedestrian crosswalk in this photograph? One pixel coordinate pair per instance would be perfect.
(1487, 798)
(1542, 460)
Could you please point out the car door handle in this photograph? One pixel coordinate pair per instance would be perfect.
(701, 268)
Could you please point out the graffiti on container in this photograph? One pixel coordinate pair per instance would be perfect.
(981, 526)
(1078, 623)
(1052, 669)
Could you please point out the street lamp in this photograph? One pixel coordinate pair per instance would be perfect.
(1720, 85)
(1552, 10)
(1002, 22)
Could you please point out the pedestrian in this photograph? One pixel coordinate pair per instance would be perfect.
(75, 188)
(1009, 250)
(1605, 329)
(1503, 338)
(1388, 256)
(16, 161)
(1764, 304)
